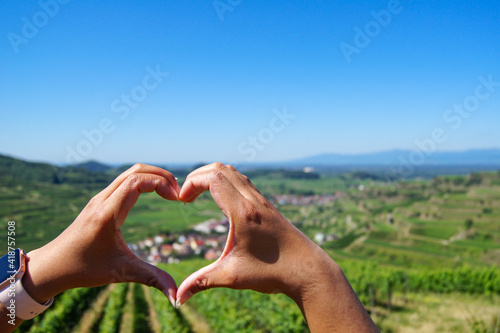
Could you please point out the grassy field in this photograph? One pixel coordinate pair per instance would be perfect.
(417, 227)
(153, 215)
(417, 224)
(427, 312)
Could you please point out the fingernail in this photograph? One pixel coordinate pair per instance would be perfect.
(183, 299)
(170, 298)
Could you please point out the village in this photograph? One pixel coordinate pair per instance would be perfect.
(207, 239)
(204, 240)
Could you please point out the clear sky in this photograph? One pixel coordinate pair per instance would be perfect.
(247, 80)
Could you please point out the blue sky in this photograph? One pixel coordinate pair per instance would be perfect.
(248, 81)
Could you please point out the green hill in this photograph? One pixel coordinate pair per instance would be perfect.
(93, 166)
(14, 172)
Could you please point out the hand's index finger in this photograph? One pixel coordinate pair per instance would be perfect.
(218, 174)
(194, 185)
(217, 179)
(140, 168)
(125, 196)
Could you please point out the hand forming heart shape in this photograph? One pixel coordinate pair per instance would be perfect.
(263, 252)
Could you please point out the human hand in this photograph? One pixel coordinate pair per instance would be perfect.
(92, 251)
(266, 253)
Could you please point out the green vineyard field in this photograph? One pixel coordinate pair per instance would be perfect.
(422, 254)
(225, 310)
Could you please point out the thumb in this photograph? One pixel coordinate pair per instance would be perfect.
(152, 276)
(211, 276)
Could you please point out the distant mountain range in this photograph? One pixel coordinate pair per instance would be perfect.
(93, 166)
(461, 162)
(395, 157)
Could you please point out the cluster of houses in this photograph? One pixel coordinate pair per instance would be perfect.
(304, 200)
(206, 240)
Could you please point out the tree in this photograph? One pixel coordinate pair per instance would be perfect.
(474, 179)
(468, 223)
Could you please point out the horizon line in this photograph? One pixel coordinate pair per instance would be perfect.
(292, 160)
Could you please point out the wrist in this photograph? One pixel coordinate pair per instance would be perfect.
(320, 279)
(324, 277)
(313, 271)
(21, 297)
(38, 279)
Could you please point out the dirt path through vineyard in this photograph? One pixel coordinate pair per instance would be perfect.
(197, 321)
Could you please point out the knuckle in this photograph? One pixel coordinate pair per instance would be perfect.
(217, 176)
(138, 166)
(93, 203)
(152, 282)
(202, 284)
(96, 208)
(218, 166)
(265, 203)
(251, 212)
(132, 180)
